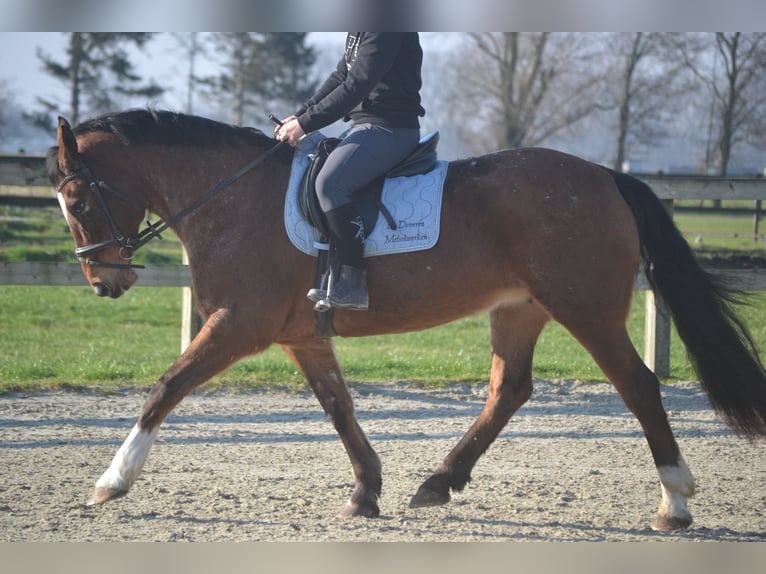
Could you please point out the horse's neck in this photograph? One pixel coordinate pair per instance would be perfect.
(185, 181)
(179, 176)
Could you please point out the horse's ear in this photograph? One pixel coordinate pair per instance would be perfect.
(68, 155)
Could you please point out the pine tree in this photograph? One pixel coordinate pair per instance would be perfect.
(96, 70)
(263, 71)
(288, 63)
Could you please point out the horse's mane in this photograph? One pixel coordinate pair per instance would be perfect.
(135, 127)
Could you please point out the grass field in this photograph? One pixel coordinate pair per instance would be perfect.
(67, 337)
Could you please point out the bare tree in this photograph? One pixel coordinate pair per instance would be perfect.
(262, 68)
(524, 88)
(5, 101)
(648, 86)
(238, 50)
(192, 47)
(736, 75)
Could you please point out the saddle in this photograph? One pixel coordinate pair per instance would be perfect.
(367, 200)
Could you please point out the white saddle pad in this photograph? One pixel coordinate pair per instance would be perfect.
(414, 203)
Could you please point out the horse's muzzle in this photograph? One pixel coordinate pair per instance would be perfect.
(102, 289)
(124, 280)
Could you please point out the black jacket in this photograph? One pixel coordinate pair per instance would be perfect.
(377, 81)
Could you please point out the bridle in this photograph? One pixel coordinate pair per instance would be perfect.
(128, 244)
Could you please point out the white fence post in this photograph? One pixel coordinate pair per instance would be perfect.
(657, 336)
(191, 322)
(657, 327)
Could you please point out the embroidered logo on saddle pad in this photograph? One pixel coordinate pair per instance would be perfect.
(414, 203)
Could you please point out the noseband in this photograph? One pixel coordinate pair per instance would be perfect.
(128, 244)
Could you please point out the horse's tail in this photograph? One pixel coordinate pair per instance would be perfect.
(718, 343)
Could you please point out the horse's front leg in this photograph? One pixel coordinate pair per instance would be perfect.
(217, 346)
(316, 360)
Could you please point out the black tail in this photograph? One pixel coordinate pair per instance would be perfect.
(718, 343)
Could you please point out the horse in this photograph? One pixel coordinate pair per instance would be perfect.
(528, 235)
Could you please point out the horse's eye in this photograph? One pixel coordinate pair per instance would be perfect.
(77, 208)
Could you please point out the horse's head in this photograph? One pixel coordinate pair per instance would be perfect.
(104, 222)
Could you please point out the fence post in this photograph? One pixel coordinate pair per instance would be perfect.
(191, 322)
(657, 336)
(657, 327)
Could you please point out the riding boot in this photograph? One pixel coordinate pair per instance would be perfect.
(349, 289)
(350, 292)
(351, 277)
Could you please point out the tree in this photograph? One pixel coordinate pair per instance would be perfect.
(5, 102)
(286, 63)
(737, 88)
(192, 47)
(523, 88)
(234, 85)
(96, 69)
(262, 69)
(645, 87)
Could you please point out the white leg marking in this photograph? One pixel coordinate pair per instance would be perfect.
(677, 485)
(129, 460)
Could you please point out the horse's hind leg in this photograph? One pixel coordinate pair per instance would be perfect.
(640, 390)
(514, 332)
(317, 362)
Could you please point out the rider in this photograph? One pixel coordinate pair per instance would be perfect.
(377, 87)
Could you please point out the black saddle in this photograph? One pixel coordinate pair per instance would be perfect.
(367, 201)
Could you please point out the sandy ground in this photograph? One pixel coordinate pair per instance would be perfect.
(572, 465)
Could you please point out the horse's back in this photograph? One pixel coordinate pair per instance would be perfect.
(531, 197)
(516, 225)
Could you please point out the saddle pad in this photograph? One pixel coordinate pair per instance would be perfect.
(414, 203)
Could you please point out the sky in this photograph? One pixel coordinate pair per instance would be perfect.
(21, 69)
(21, 74)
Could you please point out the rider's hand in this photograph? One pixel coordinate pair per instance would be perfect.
(290, 131)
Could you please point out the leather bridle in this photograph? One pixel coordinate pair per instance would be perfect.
(128, 244)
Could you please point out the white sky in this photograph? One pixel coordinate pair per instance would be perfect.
(21, 70)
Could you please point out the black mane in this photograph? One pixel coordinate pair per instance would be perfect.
(135, 127)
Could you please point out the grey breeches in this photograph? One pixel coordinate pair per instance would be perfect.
(365, 153)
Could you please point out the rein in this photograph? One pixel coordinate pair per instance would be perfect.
(128, 244)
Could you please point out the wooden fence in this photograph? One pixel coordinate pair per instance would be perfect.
(29, 171)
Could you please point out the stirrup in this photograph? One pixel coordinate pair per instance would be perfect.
(315, 295)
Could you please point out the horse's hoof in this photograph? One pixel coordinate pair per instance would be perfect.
(425, 497)
(102, 495)
(368, 510)
(670, 523)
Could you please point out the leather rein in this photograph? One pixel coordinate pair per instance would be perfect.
(128, 244)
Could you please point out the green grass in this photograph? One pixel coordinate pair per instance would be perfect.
(67, 337)
(41, 234)
(728, 231)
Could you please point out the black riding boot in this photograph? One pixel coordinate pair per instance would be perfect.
(350, 291)
(349, 288)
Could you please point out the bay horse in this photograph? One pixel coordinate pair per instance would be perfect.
(528, 235)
